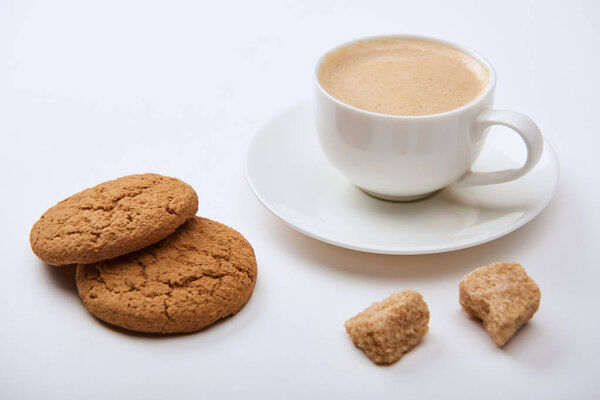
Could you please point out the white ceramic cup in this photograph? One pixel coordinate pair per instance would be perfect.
(404, 158)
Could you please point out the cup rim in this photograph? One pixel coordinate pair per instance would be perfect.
(464, 49)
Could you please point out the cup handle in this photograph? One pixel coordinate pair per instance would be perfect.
(531, 135)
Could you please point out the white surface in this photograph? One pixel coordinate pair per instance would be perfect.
(290, 175)
(91, 91)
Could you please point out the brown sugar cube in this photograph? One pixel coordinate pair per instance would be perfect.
(387, 330)
(502, 295)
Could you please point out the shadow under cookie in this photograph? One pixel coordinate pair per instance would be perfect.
(62, 277)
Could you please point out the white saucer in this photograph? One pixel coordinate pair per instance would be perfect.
(290, 175)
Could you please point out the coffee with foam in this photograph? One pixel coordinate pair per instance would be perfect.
(400, 76)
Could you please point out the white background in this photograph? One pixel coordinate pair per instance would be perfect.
(90, 91)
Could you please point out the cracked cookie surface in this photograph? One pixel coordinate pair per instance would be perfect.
(113, 218)
(203, 272)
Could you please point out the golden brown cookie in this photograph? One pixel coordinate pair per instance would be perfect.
(112, 219)
(502, 295)
(390, 328)
(203, 272)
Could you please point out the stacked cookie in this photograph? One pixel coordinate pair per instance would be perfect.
(145, 262)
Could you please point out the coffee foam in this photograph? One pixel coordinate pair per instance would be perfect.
(403, 76)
